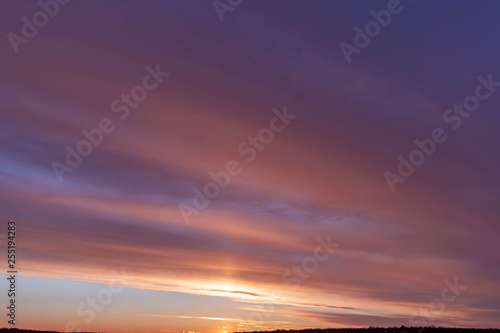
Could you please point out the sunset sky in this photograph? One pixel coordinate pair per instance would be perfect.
(317, 188)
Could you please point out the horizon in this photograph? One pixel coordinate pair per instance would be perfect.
(404, 328)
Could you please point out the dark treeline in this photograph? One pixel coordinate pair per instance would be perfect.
(401, 329)
(17, 330)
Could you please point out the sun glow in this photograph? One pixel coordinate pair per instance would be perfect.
(226, 286)
(228, 289)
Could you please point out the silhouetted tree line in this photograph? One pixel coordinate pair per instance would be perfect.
(17, 330)
(402, 329)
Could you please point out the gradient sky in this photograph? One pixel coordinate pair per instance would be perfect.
(323, 175)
